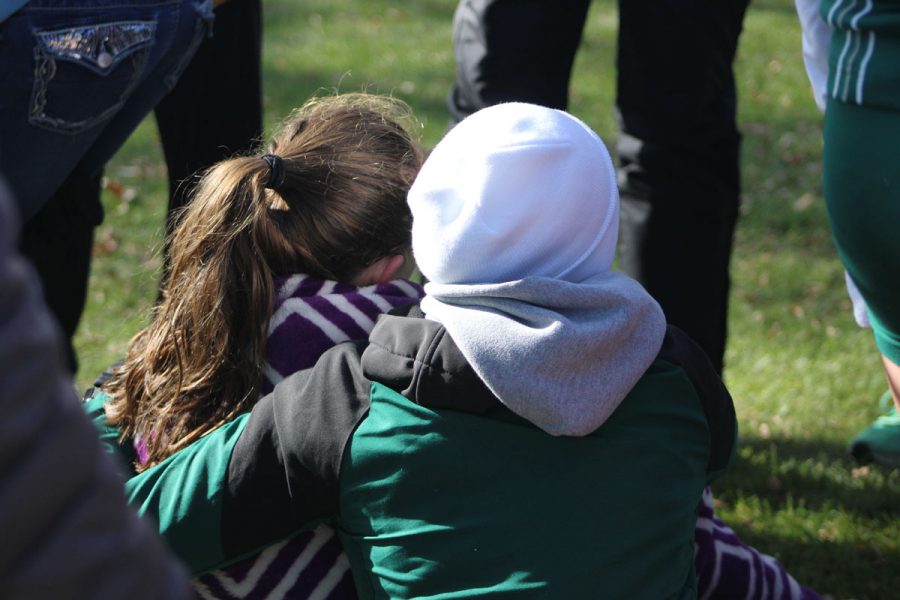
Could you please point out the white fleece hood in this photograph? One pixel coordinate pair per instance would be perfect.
(515, 219)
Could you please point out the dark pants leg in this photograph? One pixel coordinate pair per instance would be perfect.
(514, 50)
(215, 111)
(679, 152)
(58, 242)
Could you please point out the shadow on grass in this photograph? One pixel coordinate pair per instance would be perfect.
(811, 474)
(834, 569)
(828, 520)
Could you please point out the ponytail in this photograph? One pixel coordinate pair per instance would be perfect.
(327, 200)
(197, 365)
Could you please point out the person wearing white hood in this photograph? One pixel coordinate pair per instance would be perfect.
(532, 429)
(515, 221)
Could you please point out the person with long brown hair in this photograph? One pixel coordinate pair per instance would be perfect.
(279, 256)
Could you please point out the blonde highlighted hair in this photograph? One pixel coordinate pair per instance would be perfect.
(347, 163)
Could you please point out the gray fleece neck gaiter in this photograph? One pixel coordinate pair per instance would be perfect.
(561, 355)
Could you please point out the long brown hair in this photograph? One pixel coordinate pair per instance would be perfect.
(346, 164)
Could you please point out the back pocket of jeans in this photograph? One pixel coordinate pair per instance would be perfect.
(82, 75)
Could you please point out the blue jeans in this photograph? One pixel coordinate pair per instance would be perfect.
(79, 76)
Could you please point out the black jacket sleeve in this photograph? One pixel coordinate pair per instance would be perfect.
(285, 468)
(678, 348)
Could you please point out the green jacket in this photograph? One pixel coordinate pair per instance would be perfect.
(437, 490)
(864, 58)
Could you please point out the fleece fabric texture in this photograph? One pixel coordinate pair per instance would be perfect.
(583, 345)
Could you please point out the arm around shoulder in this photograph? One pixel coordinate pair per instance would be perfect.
(262, 477)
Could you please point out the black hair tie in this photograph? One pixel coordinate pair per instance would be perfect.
(276, 171)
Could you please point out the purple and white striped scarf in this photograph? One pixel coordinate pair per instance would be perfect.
(310, 316)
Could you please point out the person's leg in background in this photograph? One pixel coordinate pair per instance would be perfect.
(514, 50)
(680, 184)
(85, 78)
(92, 77)
(215, 110)
(679, 158)
(58, 242)
(198, 127)
(679, 147)
(861, 193)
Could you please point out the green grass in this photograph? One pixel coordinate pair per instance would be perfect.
(803, 376)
